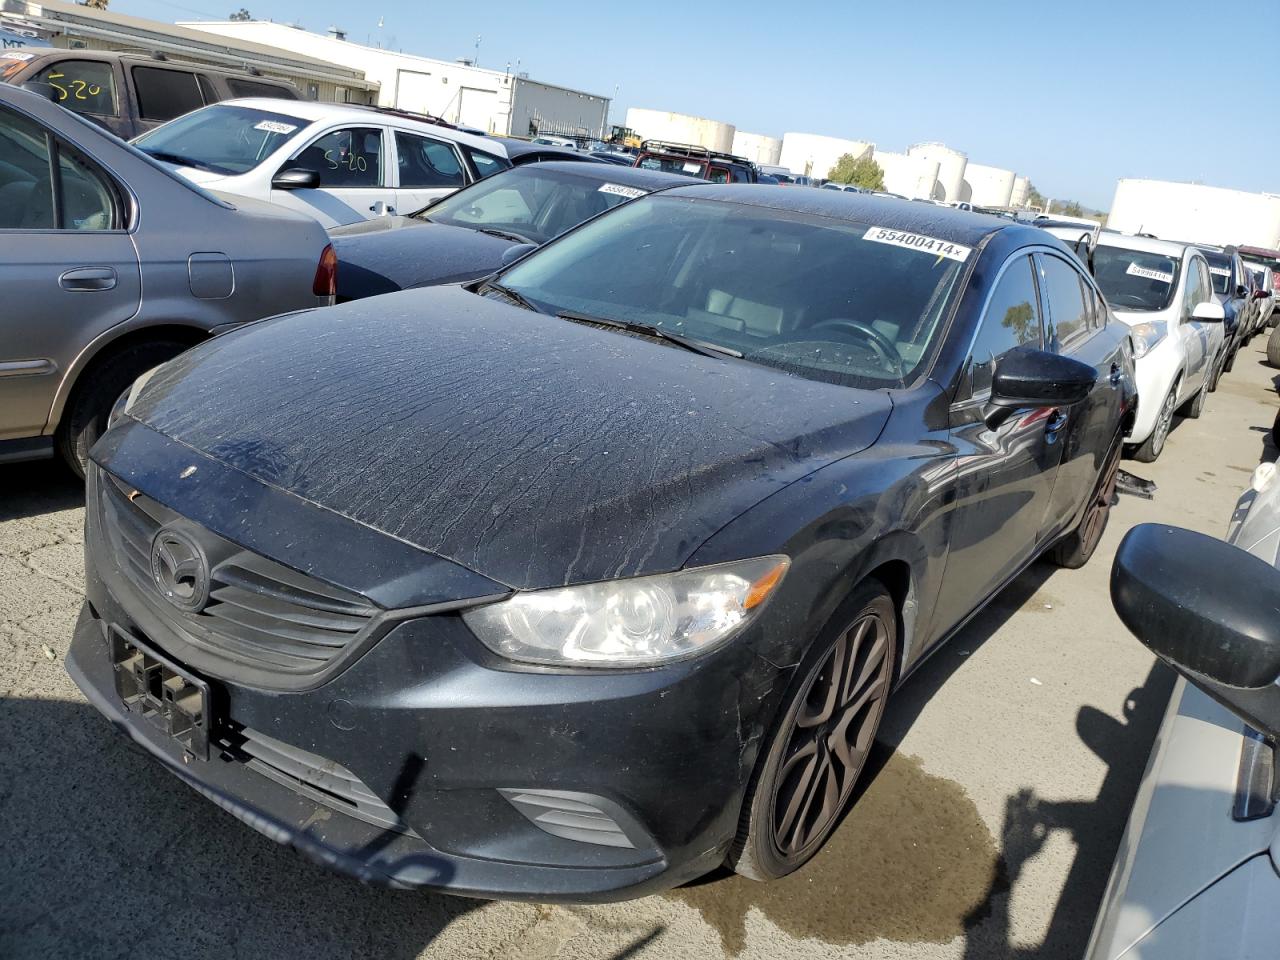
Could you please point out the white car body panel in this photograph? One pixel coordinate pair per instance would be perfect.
(1189, 881)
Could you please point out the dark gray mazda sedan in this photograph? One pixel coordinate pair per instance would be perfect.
(587, 578)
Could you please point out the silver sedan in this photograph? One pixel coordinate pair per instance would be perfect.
(111, 265)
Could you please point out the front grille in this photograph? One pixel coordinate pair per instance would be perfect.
(313, 776)
(259, 612)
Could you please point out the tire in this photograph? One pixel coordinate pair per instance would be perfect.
(1231, 360)
(1151, 448)
(1275, 431)
(1215, 373)
(85, 418)
(1074, 550)
(1273, 348)
(1195, 406)
(800, 752)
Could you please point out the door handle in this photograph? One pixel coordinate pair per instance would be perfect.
(88, 278)
(382, 209)
(1057, 420)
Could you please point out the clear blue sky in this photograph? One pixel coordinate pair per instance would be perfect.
(1074, 94)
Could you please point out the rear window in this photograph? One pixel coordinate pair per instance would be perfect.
(690, 168)
(1135, 279)
(258, 88)
(1219, 272)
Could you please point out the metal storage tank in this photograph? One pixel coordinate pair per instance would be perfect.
(987, 186)
(1021, 192)
(951, 164)
(811, 154)
(1195, 212)
(913, 177)
(758, 148)
(681, 128)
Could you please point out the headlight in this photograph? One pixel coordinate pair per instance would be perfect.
(629, 623)
(128, 398)
(1144, 337)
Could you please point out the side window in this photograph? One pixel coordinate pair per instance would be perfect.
(718, 175)
(207, 89)
(1191, 288)
(85, 86)
(26, 182)
(427, 163)
(486, 164)
(164, 94)
(1064, 299)
(738, 175)
(257, 88)
(1012, 319)
(351, 157)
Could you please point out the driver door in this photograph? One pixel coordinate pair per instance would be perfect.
(1004, 474)
(353, 177)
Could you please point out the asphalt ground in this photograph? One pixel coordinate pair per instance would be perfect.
(987, 829)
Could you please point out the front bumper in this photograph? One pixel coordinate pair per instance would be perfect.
(437, 731)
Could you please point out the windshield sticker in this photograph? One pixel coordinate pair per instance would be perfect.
(692, 167)
(1136, 271)
(273, 126)
(616, 188)
(16, 56)
(1220, 271)
(918, 241)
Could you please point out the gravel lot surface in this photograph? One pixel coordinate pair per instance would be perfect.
(1004, 779)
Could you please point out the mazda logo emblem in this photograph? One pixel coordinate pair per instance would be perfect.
(180, 570)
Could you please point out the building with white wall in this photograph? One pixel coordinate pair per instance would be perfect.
(912, 177)
(986, 186)
(1021, 192)
(813, 155)
(951, 164)
(1195, 212)
(758, 148)
(681, 128)
(490, 100)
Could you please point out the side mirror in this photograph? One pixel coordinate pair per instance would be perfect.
(1210, 312)
(1208, 609)
(295, 178)
(1242, 290)
(1027, 377)
(512, 254)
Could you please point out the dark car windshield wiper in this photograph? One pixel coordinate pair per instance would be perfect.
(652, 330)
(183, 161)
(502, 234)
(510, 294)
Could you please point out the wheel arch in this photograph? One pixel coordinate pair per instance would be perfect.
(109, 345)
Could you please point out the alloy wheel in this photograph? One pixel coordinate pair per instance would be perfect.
(1165, 422)
(1095, 519)
(831, 736)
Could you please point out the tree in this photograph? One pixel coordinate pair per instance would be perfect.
(241, 14)
(94, 4)
(1034, 197)
(1073, 209)
(861, 172)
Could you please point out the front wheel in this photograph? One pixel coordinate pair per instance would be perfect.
(1151, 448)
(815, 758)
(1195, 406)
(1273, 348)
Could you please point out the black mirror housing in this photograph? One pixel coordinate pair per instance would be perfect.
(1027, 377)
(1242, 290)
(1208, 609)
(295, 178)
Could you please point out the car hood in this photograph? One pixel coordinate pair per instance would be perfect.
(382, 258)
(1133, 318)
(203, 178)
(535, 451)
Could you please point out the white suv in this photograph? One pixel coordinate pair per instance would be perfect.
(339, 163)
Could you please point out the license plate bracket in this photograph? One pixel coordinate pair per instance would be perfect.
(162, 693)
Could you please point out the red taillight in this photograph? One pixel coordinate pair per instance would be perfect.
(326, 281)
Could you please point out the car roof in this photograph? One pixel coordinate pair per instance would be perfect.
(517, 147)
(611, 173)
(314, 112)
(944, 223)
(1128, 241)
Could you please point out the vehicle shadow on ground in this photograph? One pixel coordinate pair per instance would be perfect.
(106, 854)
(35, 489)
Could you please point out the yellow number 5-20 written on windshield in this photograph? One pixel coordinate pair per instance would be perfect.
(918, 241)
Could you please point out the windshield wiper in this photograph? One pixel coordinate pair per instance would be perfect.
(182, 161)
(502, 234)
(652, 330)
(519, 298)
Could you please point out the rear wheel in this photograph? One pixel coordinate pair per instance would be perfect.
(815, 758)
(85, 418)
(1151, 448)
(1273, 348)
(1074, 550)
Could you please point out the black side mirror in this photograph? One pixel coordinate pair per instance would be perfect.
(1208, 609)
(296, 178)
(512, 254)
(1027, 377)
(1242, 290)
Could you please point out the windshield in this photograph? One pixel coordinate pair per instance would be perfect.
(1219, 271)
(828, 299)
(223, 139)
(530, 203)
(690, 168)
(1135, 279)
